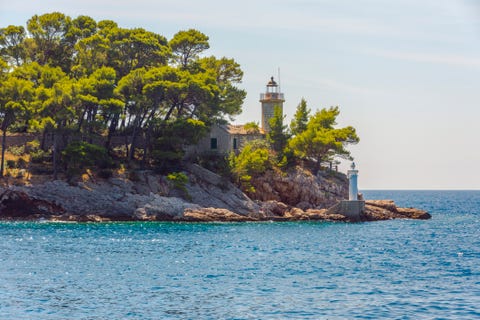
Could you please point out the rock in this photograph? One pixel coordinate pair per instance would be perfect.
(322, 214)
(213, 214)
(413, 213)
(274, 208)
(295, 196)
(386, 209)
(164, 209)
(208, 189)
(300, 188)
(385, 204)
(18, 204)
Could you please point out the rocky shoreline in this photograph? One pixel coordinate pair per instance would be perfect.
(206, 198)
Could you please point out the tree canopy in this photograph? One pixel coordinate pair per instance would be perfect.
(321, 141)
(300, 118)
(80, 79)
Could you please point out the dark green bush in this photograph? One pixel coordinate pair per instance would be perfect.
(40, 156)
(11, 164)
(82, 154)
(21, 163)
(105, 173)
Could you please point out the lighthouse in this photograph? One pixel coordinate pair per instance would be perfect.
(352, 208)
(352, 183)
(270, 99)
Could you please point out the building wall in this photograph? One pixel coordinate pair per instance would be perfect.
(226, 142)
(242, 139)
(268, 108)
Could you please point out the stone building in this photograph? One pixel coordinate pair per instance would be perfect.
(270, 99)
(224, 139)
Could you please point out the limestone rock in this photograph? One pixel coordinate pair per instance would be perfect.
(322, 214)
(300, 188)
(386, 209)
(297, 195)
(208, 189)
(413, 213)
(385, 204)
(213, 214)
(15, 204)
(164, 209)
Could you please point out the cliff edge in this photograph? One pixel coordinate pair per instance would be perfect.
(145, 196)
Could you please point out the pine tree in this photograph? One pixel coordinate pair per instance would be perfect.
(300, 119)
(277, 136)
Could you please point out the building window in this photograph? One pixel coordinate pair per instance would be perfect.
(213, 143)
(235, 144)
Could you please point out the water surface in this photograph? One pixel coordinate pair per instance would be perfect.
(403, 269)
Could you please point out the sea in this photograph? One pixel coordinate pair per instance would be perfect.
(396, 269)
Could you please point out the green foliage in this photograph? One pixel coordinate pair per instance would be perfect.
(228, 74)
(187, 45)
(11, 164)
(251, 127)
(50, 40)
(16, 150)
(321, 140)
(215, 162)
(69, 77)
(170, 140)
(254, 159)
(32, 146)
(178, 179)
(300, 118)
(277, 136)
(78, 155)
(40, 156)
(11, 44)
(21, 163)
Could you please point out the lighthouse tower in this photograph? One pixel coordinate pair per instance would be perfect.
(352, 185)
(271, 98)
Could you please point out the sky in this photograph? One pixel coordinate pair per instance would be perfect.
(405, 73)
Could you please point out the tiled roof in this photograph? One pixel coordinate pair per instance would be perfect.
(240, 129)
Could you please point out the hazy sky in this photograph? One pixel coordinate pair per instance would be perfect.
(405, 73)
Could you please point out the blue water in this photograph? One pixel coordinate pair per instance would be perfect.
(399, 269)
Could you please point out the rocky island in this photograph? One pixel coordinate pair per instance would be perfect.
(120, 134)
(208, 197)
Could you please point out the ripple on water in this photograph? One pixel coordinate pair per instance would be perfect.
(390, 269)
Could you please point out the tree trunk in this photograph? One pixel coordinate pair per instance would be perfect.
(4, 138)
(111, 131)
(132, 145)
(317, 165)
(146, 144)
(55, 147)
(44, 137)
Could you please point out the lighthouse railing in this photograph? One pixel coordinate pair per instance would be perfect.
(271, 96)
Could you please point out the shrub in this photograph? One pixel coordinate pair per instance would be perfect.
(133, 176)
(178, 179)
(16, 150)
(254, 159)
(11, 164)
(40, 156)
(33, 145)
(215, 162)
(105, 173)
(82, 154)
(21, 163)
